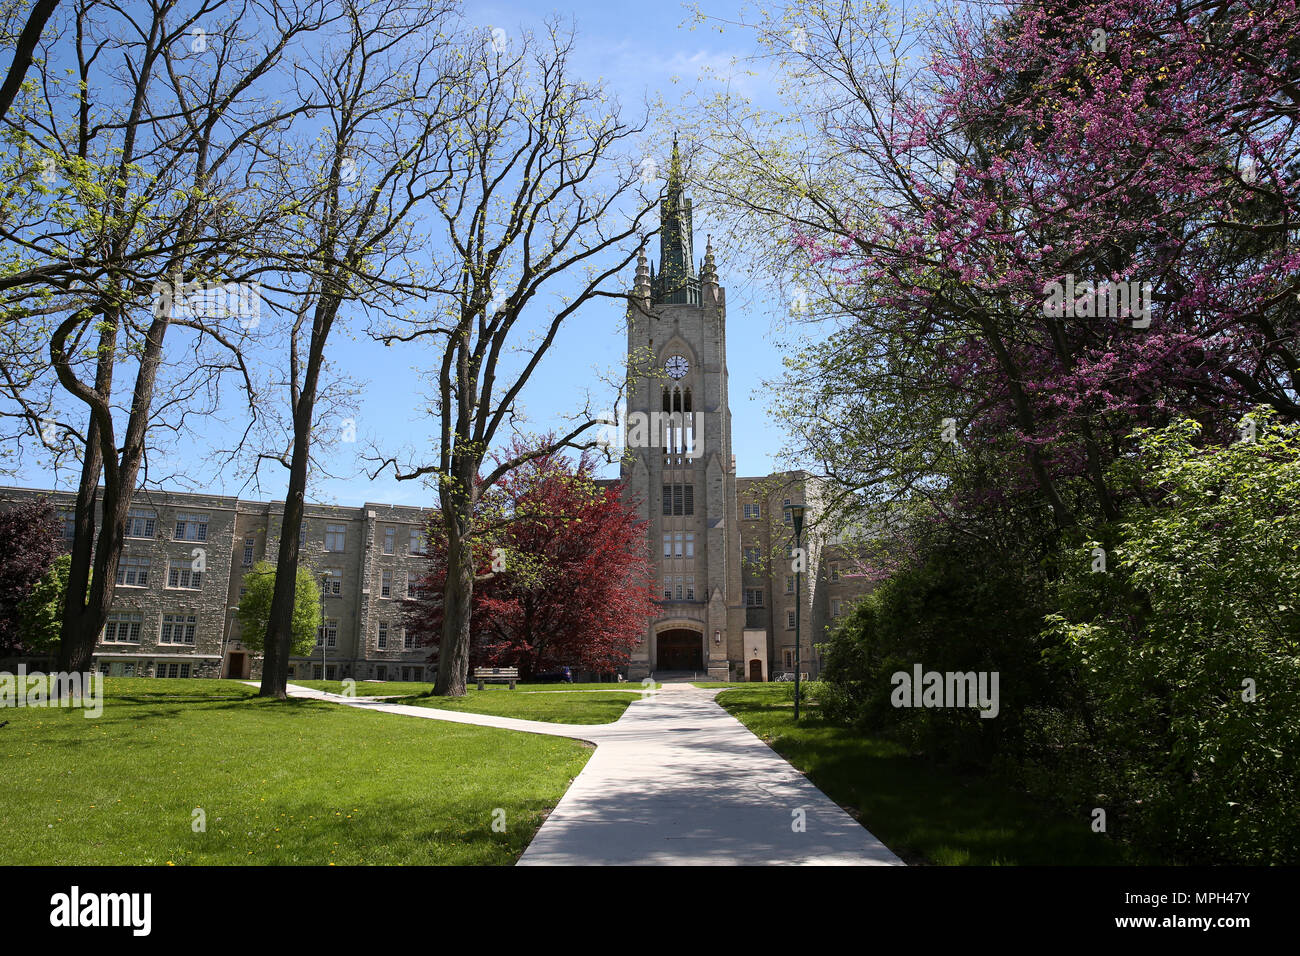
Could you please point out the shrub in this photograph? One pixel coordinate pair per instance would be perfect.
(1196, 608)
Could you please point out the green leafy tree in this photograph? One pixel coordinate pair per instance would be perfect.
(40, 615)
(1188, 644)
(254, 611)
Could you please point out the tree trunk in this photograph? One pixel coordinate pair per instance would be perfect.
(458, 592)
(279, 626)
(85, 613)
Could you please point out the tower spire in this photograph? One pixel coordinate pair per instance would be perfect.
(676, 240)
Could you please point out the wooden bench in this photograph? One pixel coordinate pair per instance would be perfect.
(499, 675)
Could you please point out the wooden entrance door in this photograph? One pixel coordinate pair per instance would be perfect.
(756, 670)
(680, 650)
(236, 669)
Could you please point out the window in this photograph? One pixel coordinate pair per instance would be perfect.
(789, 658)
(753, 597)
(835, 608)
(172, 669)
(335, 537)
(302, 536)
(668, 546)
(315, 670)
(679, 499)
(178, 629)
(785, 509)
(180, 574)
(752, 511)
(133, 571)
(668, 589)
(679, 587)
(789, 584)
(418, 544)
(331, 632)
(754, 556)
(835, 572)
(68, 521)
(330, 671)
(381, 672)
(249, 544)
(386, 584)
(408, 640)
(383, 635)
(123, 627)
(690, 588)
(390, 540)
(139, 524)
(690, 545)
(677, 541)
(333, 582)
(789, 619)
(191, 527)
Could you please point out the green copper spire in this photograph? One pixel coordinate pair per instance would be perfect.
(676, 281)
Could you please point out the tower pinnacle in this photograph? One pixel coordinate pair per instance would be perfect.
(676, 280)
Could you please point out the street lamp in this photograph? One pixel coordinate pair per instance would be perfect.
(324, 584)
(796, 515)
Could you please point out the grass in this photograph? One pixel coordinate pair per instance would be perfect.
(296, 782)
(410, 688)
(579, 707)
(924, 813)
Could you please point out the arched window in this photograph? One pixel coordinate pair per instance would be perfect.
(687, 404)
(667, 406)
(677, 399)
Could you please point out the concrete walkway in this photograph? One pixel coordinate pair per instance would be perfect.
(676, 781)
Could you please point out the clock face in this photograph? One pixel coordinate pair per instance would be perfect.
(677, 366)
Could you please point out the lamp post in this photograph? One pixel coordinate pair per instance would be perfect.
(324, 584)
(796, 515)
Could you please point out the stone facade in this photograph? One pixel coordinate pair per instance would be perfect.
(194, 550)
(720, 543)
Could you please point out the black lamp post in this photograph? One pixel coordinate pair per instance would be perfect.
(796, 515)
(324, 585)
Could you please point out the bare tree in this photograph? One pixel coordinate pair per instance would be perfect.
(386, 81)
(142, 161)
(541, 214)
(24, 45)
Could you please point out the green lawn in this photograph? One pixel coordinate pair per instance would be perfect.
(923, 813)
(578, 707)
(296, 782)
(407, 688)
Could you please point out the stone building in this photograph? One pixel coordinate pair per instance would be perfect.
(721, 544)
(182, 573)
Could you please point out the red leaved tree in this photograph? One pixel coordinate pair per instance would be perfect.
(31, 545)
(562, 572)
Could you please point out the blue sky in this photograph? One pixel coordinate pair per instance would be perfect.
(643, 51)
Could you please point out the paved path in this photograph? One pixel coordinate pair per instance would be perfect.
(676, 781)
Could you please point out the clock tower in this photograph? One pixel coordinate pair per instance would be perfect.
(679, 470)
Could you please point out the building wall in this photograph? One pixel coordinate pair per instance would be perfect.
(237, 534)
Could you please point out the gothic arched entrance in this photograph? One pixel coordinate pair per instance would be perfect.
(679, 650)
